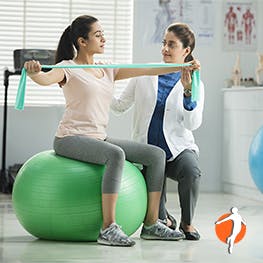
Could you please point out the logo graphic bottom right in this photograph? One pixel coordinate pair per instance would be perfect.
(230, 228)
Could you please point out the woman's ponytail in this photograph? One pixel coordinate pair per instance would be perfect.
(65, 49)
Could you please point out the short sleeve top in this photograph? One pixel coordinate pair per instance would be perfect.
(88, 100)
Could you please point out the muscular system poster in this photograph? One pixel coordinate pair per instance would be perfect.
(240, 25)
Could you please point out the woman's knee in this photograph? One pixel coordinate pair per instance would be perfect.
(157, 154)
(190, 166)
(116, 155)
(191, 173)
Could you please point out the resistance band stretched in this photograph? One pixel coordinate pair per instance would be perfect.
(20, 97)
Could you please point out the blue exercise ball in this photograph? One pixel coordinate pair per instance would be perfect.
(57, 198)
(256, 159)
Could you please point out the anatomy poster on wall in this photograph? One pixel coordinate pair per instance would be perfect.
(198, 14)
(240, 25)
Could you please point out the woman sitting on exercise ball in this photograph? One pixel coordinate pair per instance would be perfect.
(81, 134)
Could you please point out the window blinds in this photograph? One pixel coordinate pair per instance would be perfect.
(38, 24)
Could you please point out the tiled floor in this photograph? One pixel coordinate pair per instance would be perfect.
(16, 245)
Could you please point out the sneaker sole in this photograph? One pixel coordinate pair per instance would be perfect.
(105, 243)
(149, 237)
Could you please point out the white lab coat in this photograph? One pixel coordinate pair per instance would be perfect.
(178, 123)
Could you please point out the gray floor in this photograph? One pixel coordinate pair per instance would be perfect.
(16, 245)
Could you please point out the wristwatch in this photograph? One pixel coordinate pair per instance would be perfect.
(188, 92)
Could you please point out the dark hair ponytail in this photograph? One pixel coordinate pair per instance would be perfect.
(189, 57)
(68, 42)
(65, 48)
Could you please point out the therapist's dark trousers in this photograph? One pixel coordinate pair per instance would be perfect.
(185, 170)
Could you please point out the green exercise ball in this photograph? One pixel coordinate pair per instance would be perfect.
(57, 198)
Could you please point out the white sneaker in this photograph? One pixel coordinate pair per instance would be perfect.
(114, 236)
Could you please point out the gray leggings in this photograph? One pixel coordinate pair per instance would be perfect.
(112, 153)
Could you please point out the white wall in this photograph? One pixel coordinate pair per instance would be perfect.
(32, 130)
(216, 68)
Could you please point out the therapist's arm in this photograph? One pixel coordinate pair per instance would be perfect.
(125, 100)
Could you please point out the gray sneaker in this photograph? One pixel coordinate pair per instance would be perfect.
(114, 236)
(159, 231)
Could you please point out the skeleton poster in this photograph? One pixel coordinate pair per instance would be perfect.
(198, 14)
(240, 25)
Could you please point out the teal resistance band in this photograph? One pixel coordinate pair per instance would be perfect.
(195, 85)
(20, 97)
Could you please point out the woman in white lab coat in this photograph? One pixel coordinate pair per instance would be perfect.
(165, 116)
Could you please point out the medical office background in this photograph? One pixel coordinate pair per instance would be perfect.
(133, 30)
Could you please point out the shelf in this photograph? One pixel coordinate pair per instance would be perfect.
(242, 88)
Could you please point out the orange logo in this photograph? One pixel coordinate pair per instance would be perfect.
(230, 228)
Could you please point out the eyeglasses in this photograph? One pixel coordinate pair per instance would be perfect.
(170, 44)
